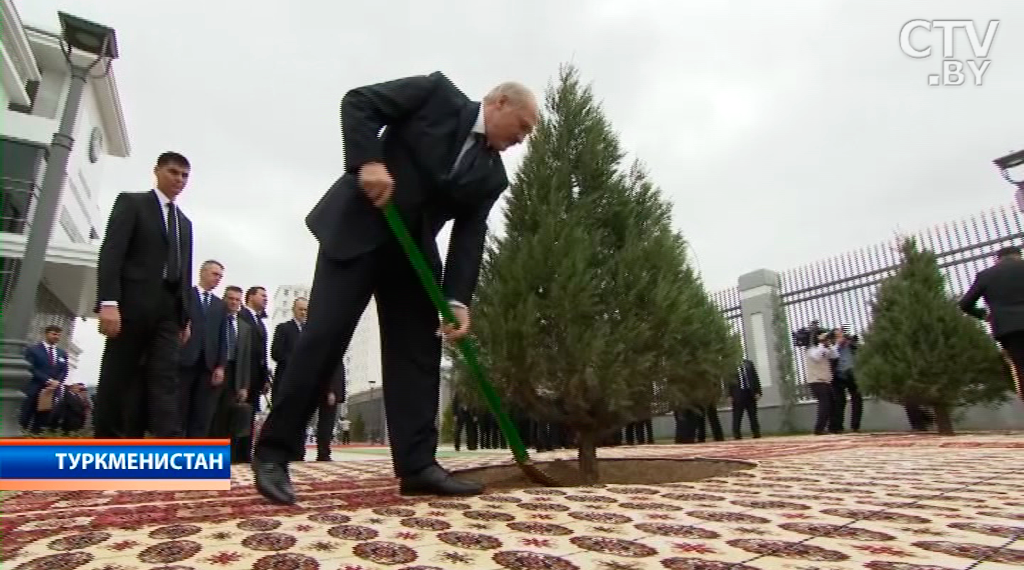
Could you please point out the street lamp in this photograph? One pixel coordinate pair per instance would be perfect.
(100, 42)
(1005, 164)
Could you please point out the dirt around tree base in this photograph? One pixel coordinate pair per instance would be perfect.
(612, 471)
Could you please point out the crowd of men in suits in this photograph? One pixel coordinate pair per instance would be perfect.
(179, 361)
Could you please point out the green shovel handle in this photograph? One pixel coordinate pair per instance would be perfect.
(465, 344)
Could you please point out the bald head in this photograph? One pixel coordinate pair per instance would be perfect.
(510, 114)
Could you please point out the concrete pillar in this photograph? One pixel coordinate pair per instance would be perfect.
(757, 306)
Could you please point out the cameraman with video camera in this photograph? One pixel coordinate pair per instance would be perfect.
(843, 382)
(819, 378)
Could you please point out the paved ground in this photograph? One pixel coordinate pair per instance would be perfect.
(880, 502)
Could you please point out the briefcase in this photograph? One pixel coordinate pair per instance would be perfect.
(241, 419)
(45, 401)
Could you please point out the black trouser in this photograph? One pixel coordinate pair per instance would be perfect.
(687, 422)
(710, 419)
(917, 416)
(346, 437)
(1013, 344)
(326, 417)
(822, 392)
(467, 422)
(29, 416)
(744, 401)
(411, 356)
(843, 383)
(199, 398)
(138, 384)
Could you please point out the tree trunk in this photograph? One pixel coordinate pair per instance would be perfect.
(587, 454)
(943, 420)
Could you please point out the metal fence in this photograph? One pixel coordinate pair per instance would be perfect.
(838, 291)
(728, 300)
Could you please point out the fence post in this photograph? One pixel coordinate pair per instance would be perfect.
(758, 291)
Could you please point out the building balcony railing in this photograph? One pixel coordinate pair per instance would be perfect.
(16, 204)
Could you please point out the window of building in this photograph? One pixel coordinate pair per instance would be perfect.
(69, 226)
(32, 88)
(21, 165)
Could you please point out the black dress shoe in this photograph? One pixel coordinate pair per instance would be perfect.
(436, 481)
(273, 482)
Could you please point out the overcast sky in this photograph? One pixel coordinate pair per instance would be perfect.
(782, 131)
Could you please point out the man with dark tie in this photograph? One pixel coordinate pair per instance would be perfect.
(233, 416)
(49, 365)
(745, 390)
(202, 357)
(437, 160)
(143, 277)
(253, 313)
(1002, 288)
(286, 335)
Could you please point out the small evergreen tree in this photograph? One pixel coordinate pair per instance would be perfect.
(587, 311)
(920, 346)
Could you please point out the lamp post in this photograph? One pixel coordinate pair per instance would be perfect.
(1005, 164)
(373, 396)
(100, 42)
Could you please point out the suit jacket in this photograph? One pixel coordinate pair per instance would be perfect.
(286, 336)
(134, 253)
(426, 120)
(207, 328)
(749, 371)
(259, 373)
(43, 369)
(243, 356)
(1002, 287)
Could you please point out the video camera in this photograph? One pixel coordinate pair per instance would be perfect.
(807, 337)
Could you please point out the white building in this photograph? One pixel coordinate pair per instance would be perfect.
(35, 80)
(362, 360)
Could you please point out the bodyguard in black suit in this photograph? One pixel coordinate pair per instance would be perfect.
(253, 314)
(143, 274)
(286, 336)
(437, 160)
(1002, 288)
(327, 412)
(202, 358)
(745, 391)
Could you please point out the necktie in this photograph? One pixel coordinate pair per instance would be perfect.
(206, 300)
(173, 246)
(743, 377)
(232, 336)
(52, 352)
(465, 161)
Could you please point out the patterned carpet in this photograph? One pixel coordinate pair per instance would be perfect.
(880, 502)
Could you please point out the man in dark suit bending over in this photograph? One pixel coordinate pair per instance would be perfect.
(1002, 287)
(144, 274)
(437, 160)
